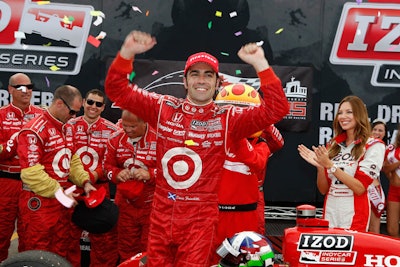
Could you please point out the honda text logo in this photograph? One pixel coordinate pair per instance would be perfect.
(368, 34)
(47, 38)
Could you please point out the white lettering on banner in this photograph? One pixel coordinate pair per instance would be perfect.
(381, 261)
(389, 113)
(38, 98)
(325, 134)
(328, 111)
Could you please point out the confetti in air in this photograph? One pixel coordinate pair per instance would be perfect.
(135, 8)
(47, 82)
(279, 31)
(93, 41)
(132, 75)
(99, 17)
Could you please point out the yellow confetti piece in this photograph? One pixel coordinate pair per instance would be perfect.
(218, 13)
(97, 13)
(54, 68)
(43, 2)
(279, 31)
(48, 44)
(191, 143)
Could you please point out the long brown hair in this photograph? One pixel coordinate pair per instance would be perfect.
(362, 130)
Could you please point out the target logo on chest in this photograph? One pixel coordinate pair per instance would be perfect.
(182, 167)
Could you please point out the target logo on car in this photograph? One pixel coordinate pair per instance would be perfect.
(47, 38)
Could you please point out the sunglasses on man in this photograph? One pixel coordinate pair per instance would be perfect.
(23, 87)
(71, 111)
(90, 102)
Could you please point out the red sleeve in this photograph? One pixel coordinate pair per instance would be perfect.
(128, 96)
(274, 138)
(255, 157)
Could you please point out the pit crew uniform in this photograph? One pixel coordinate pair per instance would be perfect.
(342, 208)
(192, 142)
(90, 143)
(392, 156)
(275, 142)
(47, 158)
(134, 211)
(238, 192)
(12, 119)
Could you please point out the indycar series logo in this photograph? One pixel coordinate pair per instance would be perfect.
(368, 34)
(43, 38)
(326, 249)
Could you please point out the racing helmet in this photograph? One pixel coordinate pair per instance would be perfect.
(246, 248)
(239, 94)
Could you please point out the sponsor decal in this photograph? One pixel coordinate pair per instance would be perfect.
(34, 203)
(43, 38)
(326, 249)
(382, 260)
(367, 35)
(297, 98)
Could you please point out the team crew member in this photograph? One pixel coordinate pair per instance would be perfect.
(272, 136)
(347, 166)
(238, 191)
(130, 162)
(48, 160)
(12, 118)
(90, 136)
(375, 190)
(193, 136)
(391, 168)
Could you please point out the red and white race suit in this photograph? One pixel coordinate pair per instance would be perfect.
(192, 142)
(47, 158)
(238, 192)
(392, 156)
(275, 142)
(134, 214)
(12, 119)
(342, 208)
(90, 142)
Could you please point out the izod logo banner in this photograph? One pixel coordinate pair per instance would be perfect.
(368, 34)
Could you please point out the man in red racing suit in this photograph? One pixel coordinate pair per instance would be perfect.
(90, 136)
(275, 142)
(238, 191)
(48, 160)
(193, 136)
(12, 118)
(130, 161)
